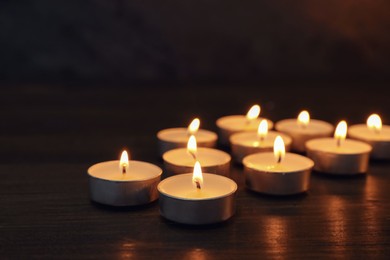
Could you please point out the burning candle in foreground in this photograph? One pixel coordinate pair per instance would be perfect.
(375, 134)
(277, 172)
(339, 155)
(303, 129)
(172, 138)
(124, 182)
(229, 125)
(197, 198)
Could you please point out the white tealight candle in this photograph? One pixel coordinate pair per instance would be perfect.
(246, 143)
(123, 182)
(374, 134)
(277, 173)
(339, 155)
(303, 129)
(229, 125)
(172, 138)
(196, 198)
(182, 160)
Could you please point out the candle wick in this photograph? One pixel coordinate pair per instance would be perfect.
(193, 155)
(338, 142)
(124, 169)
(197, 183)
(279, 158)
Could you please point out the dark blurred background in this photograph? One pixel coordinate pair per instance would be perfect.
(194, 42)
(63, 62)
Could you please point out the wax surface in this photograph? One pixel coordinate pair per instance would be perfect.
(314, 127)
(137, 171)
(267, 162)
(329, 145)
(180, 135)
(363, 132)
(250, 139)
(181, 187)
(206, 157)
(240, 123)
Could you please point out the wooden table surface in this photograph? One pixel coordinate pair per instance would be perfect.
(51, 135)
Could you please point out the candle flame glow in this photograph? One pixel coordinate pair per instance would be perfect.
(279, 149)
(192, 146)
(374, 122)
(303, 118)
(194, 126)
(197, 176)
(262, 130)
(124, 162)
(341, 132)
(253, 113)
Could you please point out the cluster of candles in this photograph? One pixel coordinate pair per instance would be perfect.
(190, 196)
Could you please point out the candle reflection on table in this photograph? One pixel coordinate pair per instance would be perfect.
(276, 235)
(197, 254)
(373, 223)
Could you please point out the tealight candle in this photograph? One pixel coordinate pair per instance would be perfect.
(182, 160)
(229, 125)
(196, 198)
(277, 173)
(172, 138)
(374, 134)
(245, 143)
(339, 155)
(124, 182)
(303, 129)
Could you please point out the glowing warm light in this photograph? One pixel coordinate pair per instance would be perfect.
(341, 132)
(194, 126)
(197, 177)
(262, 130)
(279, 149)
(303, 118)
(253, 113)
(374, 122)
(124, 162)
(192, 146)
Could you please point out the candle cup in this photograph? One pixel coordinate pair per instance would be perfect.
(246, 143)
(229, 125)
(351, 157)
(179, 161)
(173, 138)
(300, 135)
(380, 141)
(182, 203)
(292, 176)
(109, 186)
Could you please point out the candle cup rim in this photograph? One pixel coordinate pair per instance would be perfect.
(280, 172)
(297, 130)
(308, 160)
(213, 136)
(286, 138)
(227, 157)
(367, 147)
(158, 175)
(230, 193)
(219, 120)
(358, 136)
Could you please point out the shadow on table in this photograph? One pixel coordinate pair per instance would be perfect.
(123, 208)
